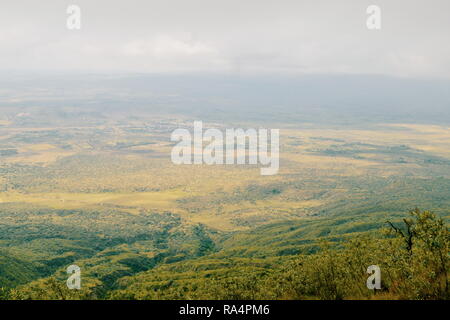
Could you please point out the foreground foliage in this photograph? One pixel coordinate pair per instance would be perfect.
(413, 255)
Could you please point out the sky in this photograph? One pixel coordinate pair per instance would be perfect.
(228, 37)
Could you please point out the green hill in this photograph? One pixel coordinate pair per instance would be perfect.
(14, 271)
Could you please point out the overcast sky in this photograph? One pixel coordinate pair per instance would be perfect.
(228, 36)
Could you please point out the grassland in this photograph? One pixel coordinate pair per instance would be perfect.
(106, 197)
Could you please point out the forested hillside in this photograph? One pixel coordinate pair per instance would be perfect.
(285, 263)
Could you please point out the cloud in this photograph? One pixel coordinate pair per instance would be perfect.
(167, 46)
(295, 37)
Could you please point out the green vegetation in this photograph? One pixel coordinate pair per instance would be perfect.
(412, 254)
(105, 196)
